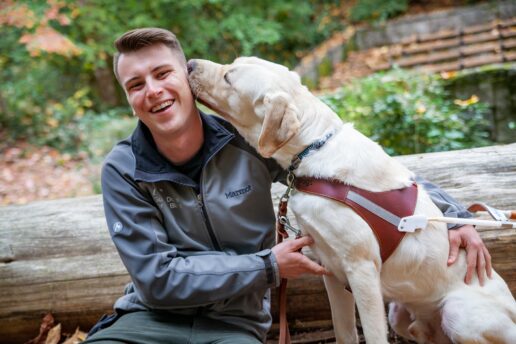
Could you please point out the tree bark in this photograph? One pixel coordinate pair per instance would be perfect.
(57, 256)
(106, 85)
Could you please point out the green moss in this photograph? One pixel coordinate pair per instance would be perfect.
(309, 82)
(349, 46)
(495, 85)
(325, 68)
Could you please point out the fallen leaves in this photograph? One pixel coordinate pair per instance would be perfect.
(54, 335)
(357, 65)
(77, 337)
(51, 334)
(46, 325)
(29, 173)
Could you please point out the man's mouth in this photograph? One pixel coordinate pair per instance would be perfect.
(163, 106)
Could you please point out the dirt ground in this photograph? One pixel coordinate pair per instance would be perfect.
(29, 173)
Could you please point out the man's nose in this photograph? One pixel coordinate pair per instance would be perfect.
(190, 66)
(154, 88)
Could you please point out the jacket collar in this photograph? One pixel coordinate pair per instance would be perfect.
(152, 166)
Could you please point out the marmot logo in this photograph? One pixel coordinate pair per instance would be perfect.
(238, 192)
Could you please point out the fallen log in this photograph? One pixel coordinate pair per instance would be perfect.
(56, 256)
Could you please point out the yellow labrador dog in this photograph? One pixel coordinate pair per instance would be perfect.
(278, 116)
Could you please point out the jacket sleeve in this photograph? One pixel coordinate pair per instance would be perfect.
(163, 278)
(446, 203)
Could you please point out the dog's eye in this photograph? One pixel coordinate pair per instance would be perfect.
(226, 78)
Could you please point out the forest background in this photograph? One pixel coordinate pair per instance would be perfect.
(60, 105)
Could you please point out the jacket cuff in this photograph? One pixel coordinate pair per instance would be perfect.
(275, 266)
(271, 267)
(460, 214)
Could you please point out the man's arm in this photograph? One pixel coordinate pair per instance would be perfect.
(478, 256)
(163, 278)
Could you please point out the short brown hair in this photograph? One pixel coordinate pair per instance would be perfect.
(137, 39)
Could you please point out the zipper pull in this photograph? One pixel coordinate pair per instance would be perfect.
(199, 200)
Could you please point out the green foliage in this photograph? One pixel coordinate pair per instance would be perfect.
(101, 131)
(408, 112)
(38, 93)
(377, 10)
(349, 46)
(212, 29)
(309, 82)
(325, 68)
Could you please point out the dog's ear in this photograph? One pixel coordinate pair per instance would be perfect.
(280, 123)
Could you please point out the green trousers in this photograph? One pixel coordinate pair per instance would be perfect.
(161, 328)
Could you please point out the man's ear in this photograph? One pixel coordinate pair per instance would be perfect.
(280, 123)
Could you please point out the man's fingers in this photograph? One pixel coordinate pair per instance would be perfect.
(313, 267)
(299, 243)
(489, 267)
(481, 266)
(471, 258)
(477, 255)
(454, 251)
(292, 263)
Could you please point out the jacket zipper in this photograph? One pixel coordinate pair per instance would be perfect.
(207, 222)
(200, 198)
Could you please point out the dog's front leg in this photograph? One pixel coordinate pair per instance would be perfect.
(342, 311)
(364, 279)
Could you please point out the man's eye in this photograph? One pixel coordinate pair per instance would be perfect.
(135, 86)
(163, 74)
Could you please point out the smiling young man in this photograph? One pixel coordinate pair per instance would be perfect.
(189, 209)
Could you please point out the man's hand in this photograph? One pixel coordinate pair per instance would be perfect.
(292, 263)
(477, 254)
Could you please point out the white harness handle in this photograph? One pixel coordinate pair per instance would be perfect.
(411, 223)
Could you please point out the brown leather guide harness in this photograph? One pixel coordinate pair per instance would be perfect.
(370, 206)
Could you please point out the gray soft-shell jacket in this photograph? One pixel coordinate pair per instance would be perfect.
(205, 253)
(200, 253)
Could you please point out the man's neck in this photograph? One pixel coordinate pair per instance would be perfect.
(183, 146)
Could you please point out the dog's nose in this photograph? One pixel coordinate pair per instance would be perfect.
(190, 66)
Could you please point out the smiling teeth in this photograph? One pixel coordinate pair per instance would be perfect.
(162, 105)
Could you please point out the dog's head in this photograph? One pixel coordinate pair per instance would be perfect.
(255, 95)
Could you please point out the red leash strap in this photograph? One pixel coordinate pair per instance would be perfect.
(284, 334)
(281, 233)
(497, 214)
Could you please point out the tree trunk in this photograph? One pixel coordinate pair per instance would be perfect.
(57, 256)
(106, 85)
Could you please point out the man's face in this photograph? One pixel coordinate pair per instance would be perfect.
(156, 86)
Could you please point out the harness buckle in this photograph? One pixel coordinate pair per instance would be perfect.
(290, 185)
(285, 222)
